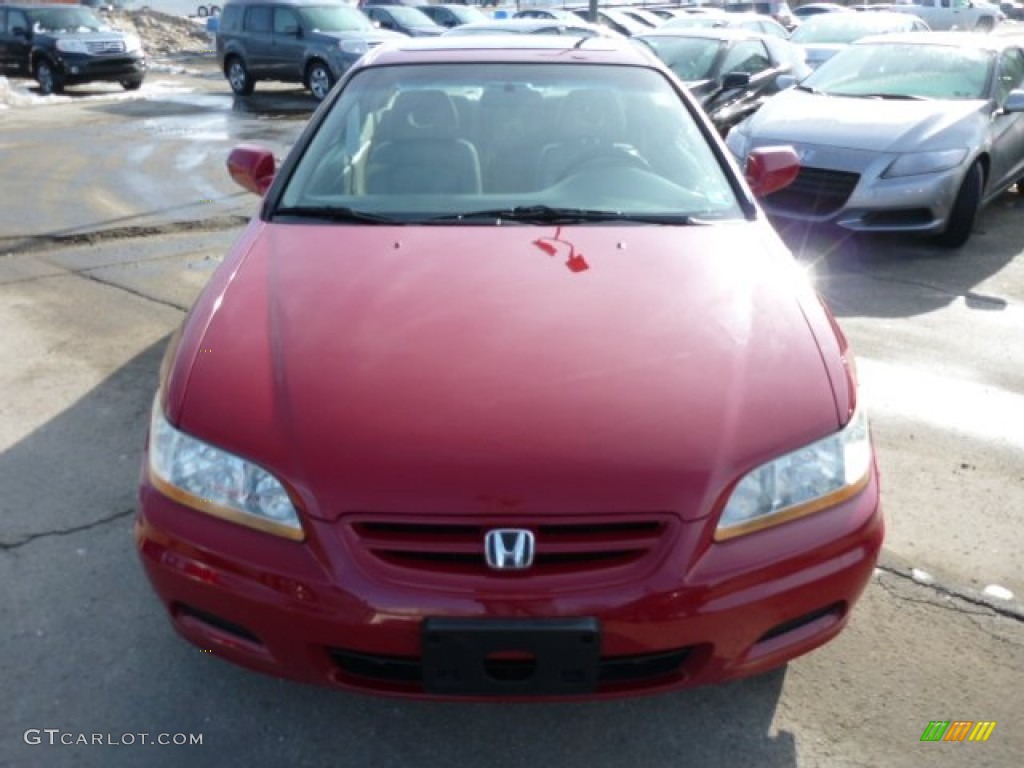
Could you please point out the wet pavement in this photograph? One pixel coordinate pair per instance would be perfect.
(101, 158)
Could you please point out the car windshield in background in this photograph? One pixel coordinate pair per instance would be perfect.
(901, 70)
(66, 20)
(846, 28)
(334, 18)
(605, 140)
(691, 58)
(410, 16)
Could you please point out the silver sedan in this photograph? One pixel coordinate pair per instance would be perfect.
(899, 133)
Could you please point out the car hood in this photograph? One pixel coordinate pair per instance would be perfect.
(882, 125)
(431, 370)
(370, 36)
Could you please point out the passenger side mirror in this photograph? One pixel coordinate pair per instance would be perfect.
(252, 167)
(782, 82)
(1014, 102)
(770, 169)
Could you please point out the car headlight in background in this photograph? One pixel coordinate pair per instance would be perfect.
(71, 46)
(132, 44)
(210, 480)
(353, 46)
(916, 163)
(738, 141)
(807, 480)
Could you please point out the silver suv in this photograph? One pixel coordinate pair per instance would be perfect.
(303, 41)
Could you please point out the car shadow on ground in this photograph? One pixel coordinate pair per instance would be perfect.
(87, 648)
(903, 276)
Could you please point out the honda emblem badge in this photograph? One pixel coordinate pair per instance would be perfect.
(509, 549)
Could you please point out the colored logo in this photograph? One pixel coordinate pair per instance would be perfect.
(958, 730)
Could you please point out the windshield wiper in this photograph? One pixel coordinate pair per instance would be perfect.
(893, 96)
(810, 89)
(546, 214)
(335, 213)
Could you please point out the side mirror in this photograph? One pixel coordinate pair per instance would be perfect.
(252, 167)
(20, 32)
(1014, 102)
(735, 80)
(770, 169)
(782, 82)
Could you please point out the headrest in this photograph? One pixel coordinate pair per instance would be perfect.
(592, 113)
(420, 115)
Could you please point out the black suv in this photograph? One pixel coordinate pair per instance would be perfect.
(303, 41)
(67, 44)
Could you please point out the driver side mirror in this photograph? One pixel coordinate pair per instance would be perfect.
(252, 167)
(20, 32)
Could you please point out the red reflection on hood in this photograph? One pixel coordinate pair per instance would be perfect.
(551, 245)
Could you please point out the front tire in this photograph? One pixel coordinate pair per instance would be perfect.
(132, 85)
(985, 25)
(238, 76)
(965, 209)
(48, 78)
(319, 79)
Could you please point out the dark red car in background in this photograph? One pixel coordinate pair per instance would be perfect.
(510, 390)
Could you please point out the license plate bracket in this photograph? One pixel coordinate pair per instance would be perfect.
(510, 657)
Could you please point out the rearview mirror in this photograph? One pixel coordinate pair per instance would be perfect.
(770, 169)
(252, 167)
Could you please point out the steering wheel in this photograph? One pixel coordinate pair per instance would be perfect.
(605, 155)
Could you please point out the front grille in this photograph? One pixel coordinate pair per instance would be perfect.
(105, 46)
(814, 192)
(562, 545)
(613, 671)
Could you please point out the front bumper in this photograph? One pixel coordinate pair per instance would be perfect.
(847, 188)
(313, 612)
(85, 68)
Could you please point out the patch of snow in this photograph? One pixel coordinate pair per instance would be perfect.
(12, 95)
(921, 577)
(998, 592)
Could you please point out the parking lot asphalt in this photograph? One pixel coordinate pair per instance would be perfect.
(85, 648)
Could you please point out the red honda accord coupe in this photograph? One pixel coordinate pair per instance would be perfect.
(509, 390)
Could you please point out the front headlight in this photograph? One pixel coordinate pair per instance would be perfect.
(807, 480)
(71, 46)
(354, 46)
(210, 480)
(738, 141)
(917, 163)
(132, 43)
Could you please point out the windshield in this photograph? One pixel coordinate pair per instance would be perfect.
(468, 14)
(845, 28)
(415, 142)
(691, 58)
(65, 20)
(905, 70)
(410, 16)
(334, 18)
